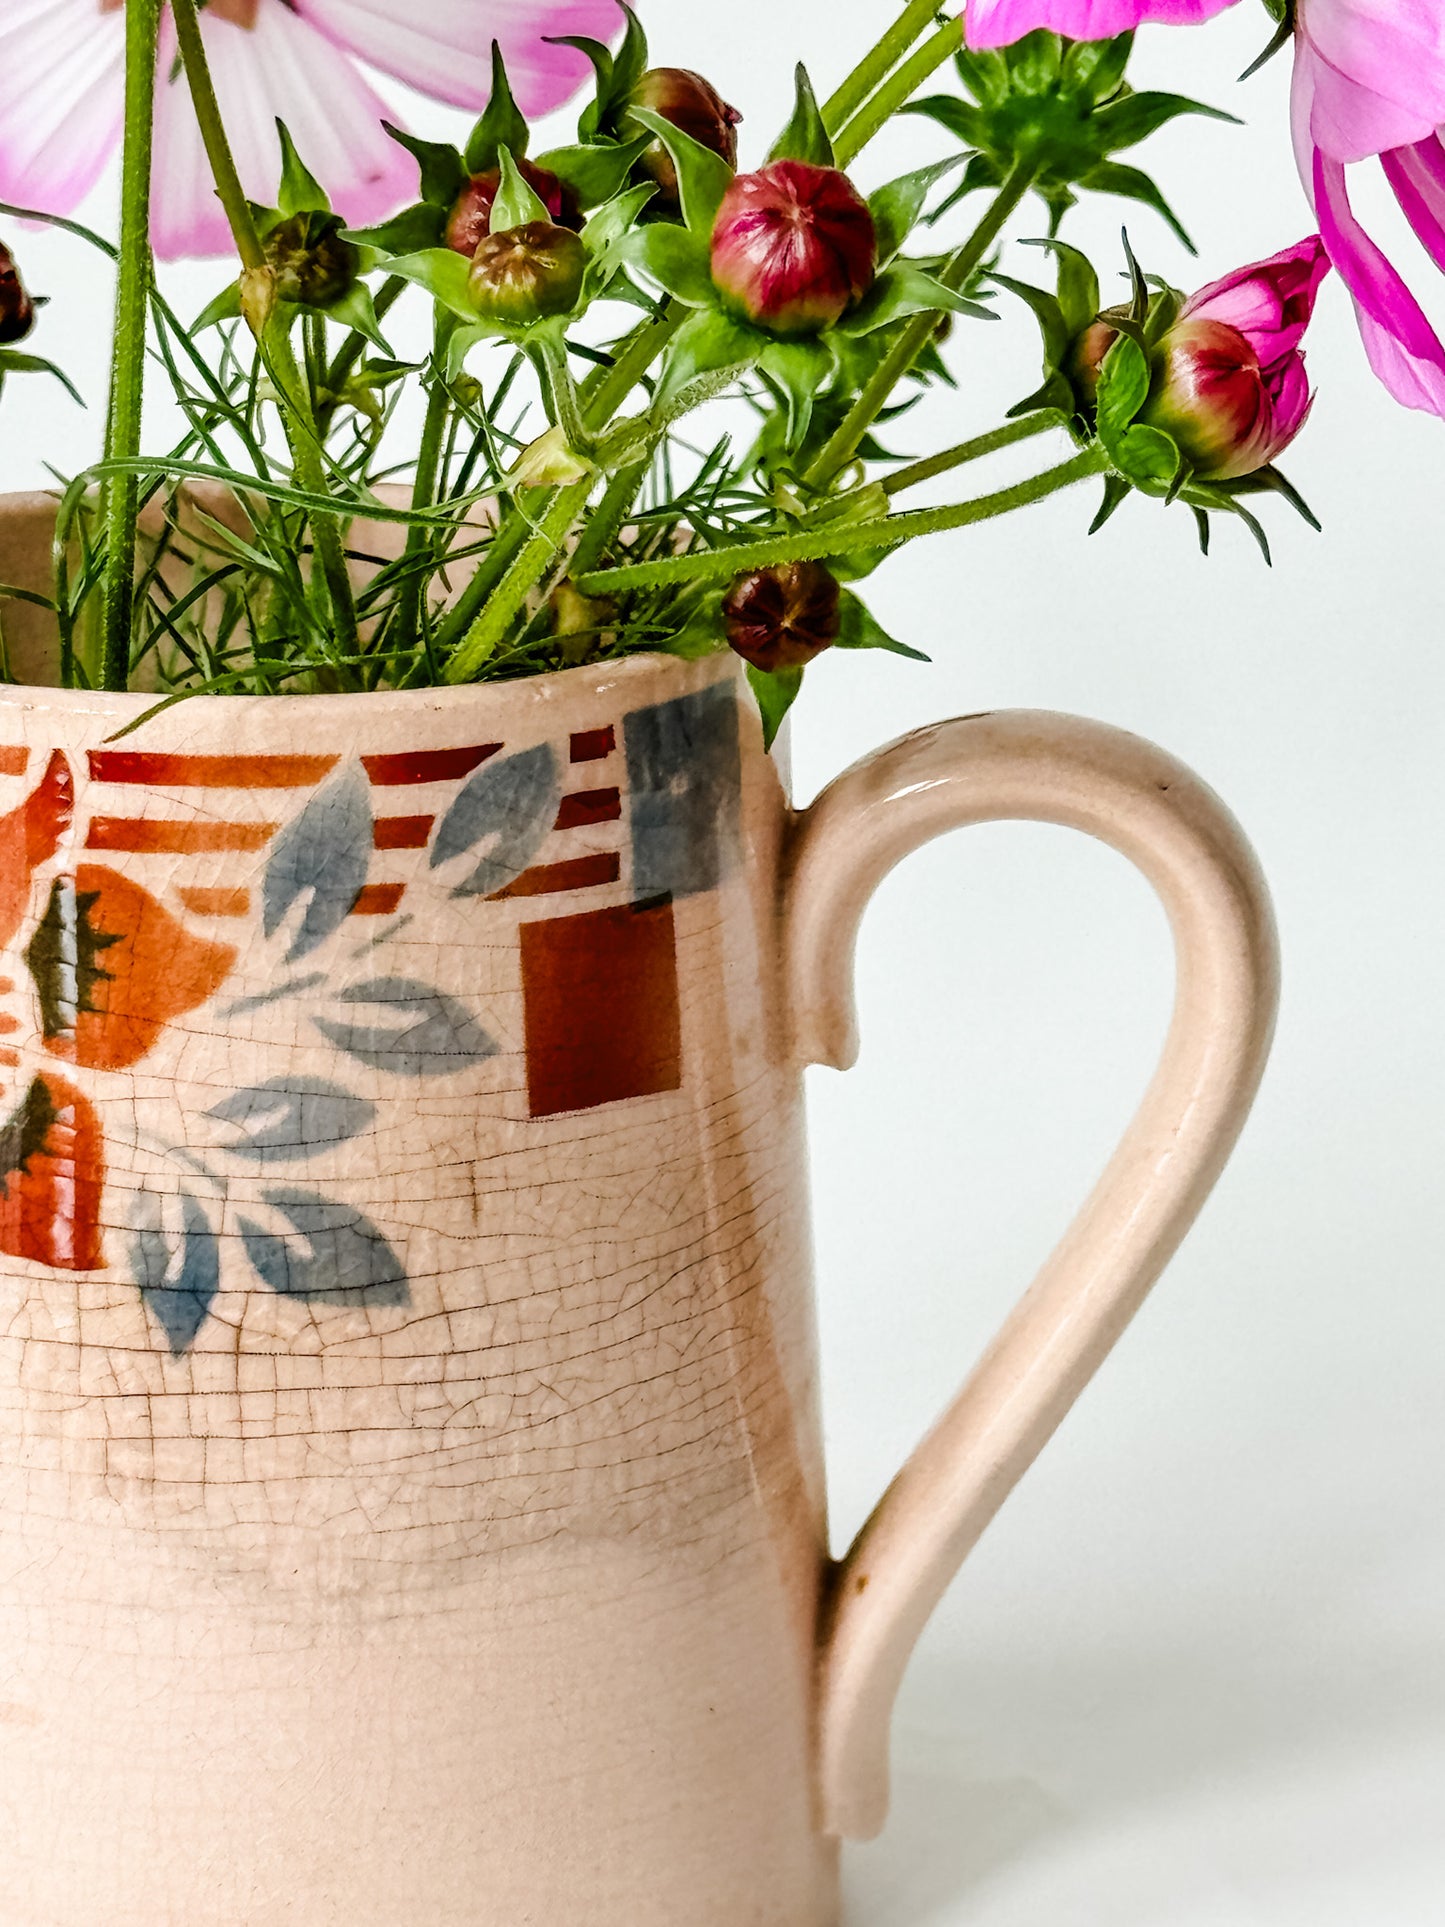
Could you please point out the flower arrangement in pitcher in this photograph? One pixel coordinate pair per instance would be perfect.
(664, 358)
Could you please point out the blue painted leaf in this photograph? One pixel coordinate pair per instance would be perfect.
(514, 802)
(337, 1256)
(324, 856)
(439, 1038)
(179, 1275)
(292, 1117)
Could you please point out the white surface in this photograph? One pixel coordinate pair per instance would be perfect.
(1195, 1676)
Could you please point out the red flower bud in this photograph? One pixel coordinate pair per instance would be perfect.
(470, 221)
(697, 108)
(17, 310)
(783, 617)
(794, 247)
(1228, 415)
(527, 273)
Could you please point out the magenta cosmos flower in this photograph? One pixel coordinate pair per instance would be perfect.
(998, 23)
(62, 73)
(1370, 81)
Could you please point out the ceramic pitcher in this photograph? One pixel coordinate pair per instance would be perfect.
(411, 1496)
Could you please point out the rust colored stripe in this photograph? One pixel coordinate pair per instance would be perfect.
(378, 899)
(402, 832)
(426, 765)
(150, 836)
(602, 1008)
(9, 1057)
(9, 1024)
(13, 760)
(215, 903)
(593, 745)
(209, 772)
(589, 806)
(551, 879)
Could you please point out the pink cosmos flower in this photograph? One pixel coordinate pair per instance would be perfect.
(62, 72)
(998, 23)
(1370, 80)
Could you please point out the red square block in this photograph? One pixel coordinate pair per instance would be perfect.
(602, 1013)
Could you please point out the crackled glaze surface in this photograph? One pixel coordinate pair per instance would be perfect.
(402, 1227)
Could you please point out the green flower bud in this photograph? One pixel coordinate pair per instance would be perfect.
(313, 266)
(528, 273)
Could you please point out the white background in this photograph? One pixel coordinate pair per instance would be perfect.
(1195, 1676)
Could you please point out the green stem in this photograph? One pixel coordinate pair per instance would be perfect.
(605, 389)
(123, 431)
(897, 91)
(536, 556)
(971, 451)
(565, 404)
(424, 492)
(276, 348)
(875, 67)
(525, 549)
(605, 521)
(832, 539)
(843, 446)
(213, 133)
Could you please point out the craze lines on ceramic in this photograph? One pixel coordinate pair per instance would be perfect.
(227, 872)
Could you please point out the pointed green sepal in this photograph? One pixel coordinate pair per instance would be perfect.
(357, 310)
(442, 174)
(901, 292)
(597, 171)
(805, 138)
(702, 176)
(709, 345)
(801, 370)
(517, 202)
(502, 125)
(225, 307)
(444, 274)
(897, 207)
(300, 191)
(417, 227)
(775, 695)
(861, 630)
(677, 260)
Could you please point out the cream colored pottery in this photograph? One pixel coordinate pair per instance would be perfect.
(411, 1489)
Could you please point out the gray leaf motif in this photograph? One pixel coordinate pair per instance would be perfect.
(179, 1304)
(441, 1038)
(290, 1118)
(341, 1259)
(515, 802)
(324, 854)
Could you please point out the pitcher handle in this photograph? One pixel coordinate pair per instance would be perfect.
(1037, 767)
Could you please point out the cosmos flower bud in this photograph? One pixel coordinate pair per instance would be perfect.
(1230, 385)
(17, 310)
(783, 617)
(528, 273)
(696, 107)
(313, 265)
(470, 221)
(794, 247)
